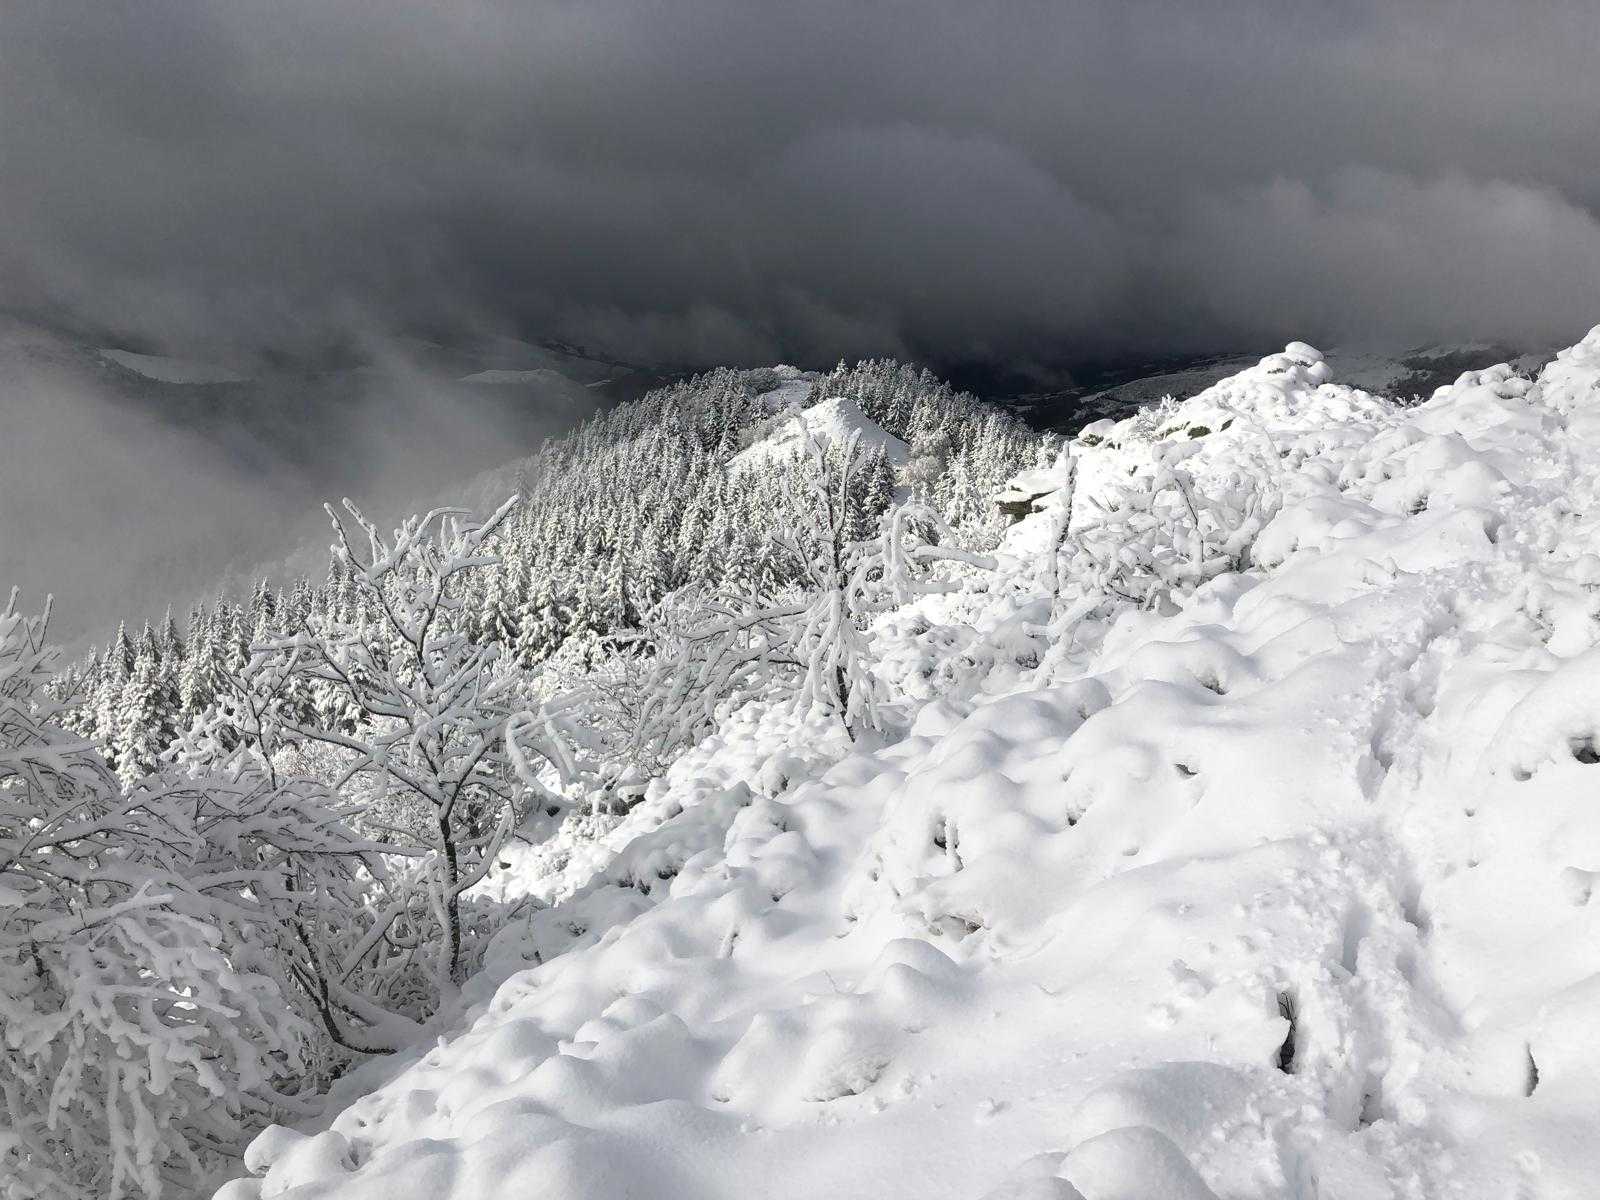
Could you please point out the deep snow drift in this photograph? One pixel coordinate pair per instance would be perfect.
(1283, 889)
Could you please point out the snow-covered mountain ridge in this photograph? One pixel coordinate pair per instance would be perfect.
(1274, 885)
(1403, 374)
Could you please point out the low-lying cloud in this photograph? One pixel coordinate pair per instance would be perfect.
(122, 498)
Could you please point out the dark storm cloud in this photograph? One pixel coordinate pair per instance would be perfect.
(733, 179)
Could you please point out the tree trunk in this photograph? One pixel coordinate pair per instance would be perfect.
(842, 686)
(452, 902)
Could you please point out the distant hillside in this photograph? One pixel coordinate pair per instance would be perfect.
(688, 487)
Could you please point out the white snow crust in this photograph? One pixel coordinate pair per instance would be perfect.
(1284, 892)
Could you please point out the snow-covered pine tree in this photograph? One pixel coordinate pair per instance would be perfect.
(106, 716)
(497, 608)
(197, 684)
(169, 642)
(144, 728)
(871, 495)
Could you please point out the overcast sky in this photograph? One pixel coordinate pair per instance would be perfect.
(745, 180)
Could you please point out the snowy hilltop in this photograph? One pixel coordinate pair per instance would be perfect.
(1225, 832)
(829, 422)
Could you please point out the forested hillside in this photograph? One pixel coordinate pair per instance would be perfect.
(636, 504)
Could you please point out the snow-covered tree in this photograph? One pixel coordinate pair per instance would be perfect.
(829, 641)
(706, 652)
(147, 713)
(138, 1050)
(443, 744)
(293, 885)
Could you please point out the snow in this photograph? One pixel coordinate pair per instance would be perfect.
(535, 376)
(792, 391)
(831, 422)
(171, 370)
(1029, 484)
(1281, 887)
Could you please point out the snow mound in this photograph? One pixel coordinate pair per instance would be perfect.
(831, 422)
(170, 370)
(1281, 889)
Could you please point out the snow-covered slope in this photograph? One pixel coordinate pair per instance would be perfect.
(1401, 373)
(171, 370)
(535, 376)
(831, 421)
(1281, 890)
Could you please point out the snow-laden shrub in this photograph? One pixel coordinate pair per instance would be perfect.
(1164, 533)
(298, 891)
(140, 1048)
(1147, 423)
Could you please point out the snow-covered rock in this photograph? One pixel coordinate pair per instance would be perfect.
(1022, 491)
(1280, 888)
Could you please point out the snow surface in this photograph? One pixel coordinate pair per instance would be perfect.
(831, 421)
(171, 370)
(1283, 892)
(536, 375)
(792, 391)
